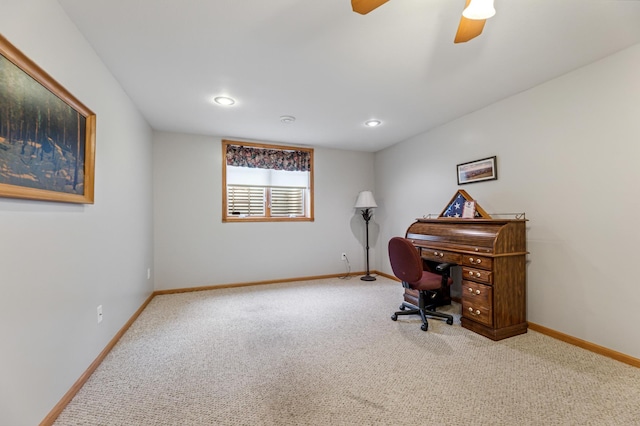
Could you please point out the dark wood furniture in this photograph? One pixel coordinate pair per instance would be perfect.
(492, 255)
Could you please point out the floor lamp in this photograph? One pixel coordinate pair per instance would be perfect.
(366, 203)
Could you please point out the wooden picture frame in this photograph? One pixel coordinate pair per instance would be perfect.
(477, 171)
(47, 136)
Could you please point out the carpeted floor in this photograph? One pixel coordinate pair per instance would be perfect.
(326, 353)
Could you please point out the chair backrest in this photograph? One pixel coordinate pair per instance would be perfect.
(405, 260)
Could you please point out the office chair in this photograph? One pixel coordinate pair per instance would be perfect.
(407, 266)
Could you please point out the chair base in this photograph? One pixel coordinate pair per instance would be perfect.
(423, 312)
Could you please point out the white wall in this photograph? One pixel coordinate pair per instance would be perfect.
(194, 248)
(568, 154)
(59, 261)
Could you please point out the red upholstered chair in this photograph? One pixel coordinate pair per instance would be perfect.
(407, 266)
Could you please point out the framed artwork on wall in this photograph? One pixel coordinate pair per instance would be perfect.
(47, 136)
(477, 171)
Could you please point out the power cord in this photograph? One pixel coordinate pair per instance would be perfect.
(348, 266)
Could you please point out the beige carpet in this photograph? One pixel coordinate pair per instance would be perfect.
(326, 353)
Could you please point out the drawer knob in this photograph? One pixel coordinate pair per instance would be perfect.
(478, 312)
(476, 248)
(441, 254)
(435, 253)
(471, 310)
(478, 274)
(471, 259)
(470, 273)
(477, 291)
(478, 261)
(470, 290)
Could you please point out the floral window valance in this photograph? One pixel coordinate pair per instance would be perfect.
(274, 159)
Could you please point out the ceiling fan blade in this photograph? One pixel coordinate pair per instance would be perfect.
(365, 6)
(469, 28)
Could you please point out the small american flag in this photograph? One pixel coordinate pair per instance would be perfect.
(455, 208)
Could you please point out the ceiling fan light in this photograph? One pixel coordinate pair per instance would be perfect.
(479, 9)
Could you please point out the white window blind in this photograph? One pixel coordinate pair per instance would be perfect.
(250, 190)
(245, 201)
(266, 177)
(287, 202)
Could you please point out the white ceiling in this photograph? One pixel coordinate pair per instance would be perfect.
(333, 69)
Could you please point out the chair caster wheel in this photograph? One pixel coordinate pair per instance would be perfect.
(449, 321)
(424, 327)
(402, 307)
(394, 317)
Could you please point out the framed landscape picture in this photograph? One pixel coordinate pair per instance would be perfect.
(477, 171)
(47, 136)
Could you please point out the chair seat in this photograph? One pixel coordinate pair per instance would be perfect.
(429, 281)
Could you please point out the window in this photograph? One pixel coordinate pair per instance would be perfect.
(266, 182)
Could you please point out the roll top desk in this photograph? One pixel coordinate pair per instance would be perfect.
(492, 256)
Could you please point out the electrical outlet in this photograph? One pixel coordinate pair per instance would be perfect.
(99, 314)
(343, 256)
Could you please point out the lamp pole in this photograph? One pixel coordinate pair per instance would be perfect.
(366, 204)
(366, 215)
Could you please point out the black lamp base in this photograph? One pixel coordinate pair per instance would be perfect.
(368, 278)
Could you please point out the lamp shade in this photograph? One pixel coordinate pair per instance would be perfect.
(479, 9)
(365, 200)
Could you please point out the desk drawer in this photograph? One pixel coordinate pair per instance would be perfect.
(477, 261)
(477, 302)
(477, 275)
(440, 256)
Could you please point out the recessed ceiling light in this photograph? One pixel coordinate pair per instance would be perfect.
(372, 123)
(287, 119)
(224, 100)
